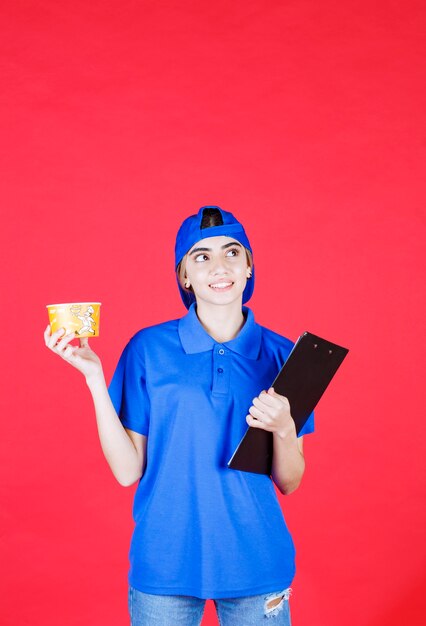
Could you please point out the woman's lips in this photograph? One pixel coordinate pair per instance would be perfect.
(222, 286)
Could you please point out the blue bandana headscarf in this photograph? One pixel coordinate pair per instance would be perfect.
(190, 232)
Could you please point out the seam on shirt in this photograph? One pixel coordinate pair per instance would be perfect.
(159, 474)
(210, 594)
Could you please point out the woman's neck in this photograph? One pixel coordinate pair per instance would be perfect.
(223, 323)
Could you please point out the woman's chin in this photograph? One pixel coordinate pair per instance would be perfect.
(226, 297)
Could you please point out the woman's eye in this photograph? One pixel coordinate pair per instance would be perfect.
(235, 250)
(199, 257)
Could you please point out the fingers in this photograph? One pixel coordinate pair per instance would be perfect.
(51, 339)
(258, 414)
(255, 422)
(260, 407)
(60, 347)
(265, 409)
(273, 394)
(84, 341)
(266, 399)
(266, 404)
(63, 344)
(68, 352)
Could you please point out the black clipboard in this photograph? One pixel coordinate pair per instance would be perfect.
(305, 375)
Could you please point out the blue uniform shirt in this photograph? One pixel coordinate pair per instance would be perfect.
(201, 528)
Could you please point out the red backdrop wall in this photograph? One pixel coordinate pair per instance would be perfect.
(305, 119)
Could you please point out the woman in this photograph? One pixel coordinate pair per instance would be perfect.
(180, 400)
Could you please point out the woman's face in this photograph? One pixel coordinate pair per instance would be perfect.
(217, 269)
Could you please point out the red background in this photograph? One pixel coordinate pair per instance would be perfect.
(305, 119)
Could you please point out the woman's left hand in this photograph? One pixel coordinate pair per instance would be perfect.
(271, 411)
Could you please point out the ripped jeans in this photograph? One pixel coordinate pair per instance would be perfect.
(153, 610)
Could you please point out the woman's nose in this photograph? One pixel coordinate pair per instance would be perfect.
(219, 266)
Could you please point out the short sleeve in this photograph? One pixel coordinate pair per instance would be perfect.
(308, 426)
(127, 390)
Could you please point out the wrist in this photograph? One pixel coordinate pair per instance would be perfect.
(287, 435)
(95, 379)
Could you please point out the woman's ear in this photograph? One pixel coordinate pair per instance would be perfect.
(186, 281)
(249, 259)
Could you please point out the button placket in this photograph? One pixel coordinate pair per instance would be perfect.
(221, 371)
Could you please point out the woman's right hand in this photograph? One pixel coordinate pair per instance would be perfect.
(81, 357)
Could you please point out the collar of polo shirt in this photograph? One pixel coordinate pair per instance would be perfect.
(195, 338)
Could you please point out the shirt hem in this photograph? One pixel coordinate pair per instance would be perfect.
(133, 426)
(210, 594)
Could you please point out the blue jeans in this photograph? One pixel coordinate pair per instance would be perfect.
(146, 609)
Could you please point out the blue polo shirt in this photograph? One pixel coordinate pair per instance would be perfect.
(201, 528)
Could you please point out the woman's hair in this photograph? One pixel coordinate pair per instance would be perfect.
(211, 217)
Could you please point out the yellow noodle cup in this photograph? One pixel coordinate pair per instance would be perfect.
(80, 317)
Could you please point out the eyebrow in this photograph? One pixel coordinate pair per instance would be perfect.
(227, 245)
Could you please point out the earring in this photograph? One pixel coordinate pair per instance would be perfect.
(248, 273)
(187, 284)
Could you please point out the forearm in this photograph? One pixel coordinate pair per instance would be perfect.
(117, 446)
(288, 463)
